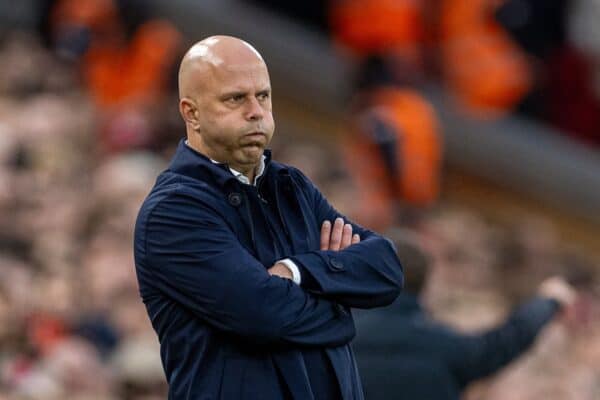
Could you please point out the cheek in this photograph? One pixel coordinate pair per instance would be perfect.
(217, 123)
(225, 130)
(271, 125)
(268, 120)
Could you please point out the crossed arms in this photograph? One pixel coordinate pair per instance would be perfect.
(195, 259)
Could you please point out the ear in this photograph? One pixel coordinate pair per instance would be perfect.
(189, 112)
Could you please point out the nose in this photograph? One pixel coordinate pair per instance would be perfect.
(254, 111)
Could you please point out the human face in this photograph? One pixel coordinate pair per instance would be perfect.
(235, 120)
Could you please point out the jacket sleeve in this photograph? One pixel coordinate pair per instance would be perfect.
(197, 260)
(364, 275)
(475, 356)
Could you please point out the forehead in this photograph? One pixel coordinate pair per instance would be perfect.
(241, 75)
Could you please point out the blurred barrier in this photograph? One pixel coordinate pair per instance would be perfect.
(525, 156)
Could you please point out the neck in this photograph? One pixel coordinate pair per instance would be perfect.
(196, 143)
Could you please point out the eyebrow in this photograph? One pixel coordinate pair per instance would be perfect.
(243, 92)
(233, 93)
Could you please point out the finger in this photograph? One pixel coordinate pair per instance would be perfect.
(355, 238)
(336, 234)
(325, 235)
(346, 236)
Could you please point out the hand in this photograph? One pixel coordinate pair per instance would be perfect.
(280, 270)
(558, 289)
(339, 237)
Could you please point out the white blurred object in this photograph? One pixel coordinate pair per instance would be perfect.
(582, 25)
(558, 289)
(583, 31)
(137, 360)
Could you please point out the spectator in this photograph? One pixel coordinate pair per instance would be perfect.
(396, 143)
(402, 353)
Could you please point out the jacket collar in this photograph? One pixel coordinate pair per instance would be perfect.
(189, 162)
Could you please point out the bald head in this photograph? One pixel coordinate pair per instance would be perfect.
(210, 55)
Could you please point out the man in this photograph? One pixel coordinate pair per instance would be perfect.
(247, 273)
(403, 354)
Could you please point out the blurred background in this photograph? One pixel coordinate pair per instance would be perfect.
(475, 124)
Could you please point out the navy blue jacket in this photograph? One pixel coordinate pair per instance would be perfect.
(229, 330)
(402, 354)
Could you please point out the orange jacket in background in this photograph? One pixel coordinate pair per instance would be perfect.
(481, 65)
(136, 72)
(417, 151)
(97, 15)
(116, 70)
(376, 26)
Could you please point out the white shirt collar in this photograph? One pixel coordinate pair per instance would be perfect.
(241, 177)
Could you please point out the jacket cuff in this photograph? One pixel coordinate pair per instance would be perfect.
(309, 281)
(296, 277)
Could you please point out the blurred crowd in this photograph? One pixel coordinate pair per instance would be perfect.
(79, 150)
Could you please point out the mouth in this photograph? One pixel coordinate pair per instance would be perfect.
(254, 135)
(254, 139)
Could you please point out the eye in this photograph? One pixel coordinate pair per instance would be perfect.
(237, 98)
(234, 98)
(263, 96)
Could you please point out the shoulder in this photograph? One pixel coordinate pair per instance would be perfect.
(176, 193)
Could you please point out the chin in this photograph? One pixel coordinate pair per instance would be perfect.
(253, 153)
